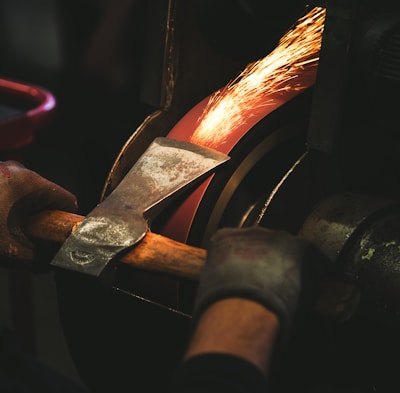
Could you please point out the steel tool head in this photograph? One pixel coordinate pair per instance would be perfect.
(166, 169)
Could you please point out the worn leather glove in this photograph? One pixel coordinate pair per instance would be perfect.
(272, 267)
(23, 193)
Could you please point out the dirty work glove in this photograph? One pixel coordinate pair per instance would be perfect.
(271, 267)
(23, 193)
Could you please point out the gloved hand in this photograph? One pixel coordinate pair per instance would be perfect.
(272, 267)
(23, 193)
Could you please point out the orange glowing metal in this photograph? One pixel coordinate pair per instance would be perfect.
(259, 84)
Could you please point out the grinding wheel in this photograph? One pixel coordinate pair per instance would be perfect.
(138, 330)
(147, 319)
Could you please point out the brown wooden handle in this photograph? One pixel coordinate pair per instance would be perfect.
(160, 254)
(155, 252)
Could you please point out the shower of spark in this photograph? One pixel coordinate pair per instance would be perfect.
(297, 52)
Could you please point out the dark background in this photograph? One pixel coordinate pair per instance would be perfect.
(89, 54)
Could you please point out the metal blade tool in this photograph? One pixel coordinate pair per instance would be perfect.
(165, 170)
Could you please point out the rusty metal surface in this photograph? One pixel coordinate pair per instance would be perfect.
(167, 168)
(334, 220)
(373, 263)
(360, 234)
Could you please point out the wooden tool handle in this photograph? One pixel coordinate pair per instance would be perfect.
(160, 254)
(155, 252)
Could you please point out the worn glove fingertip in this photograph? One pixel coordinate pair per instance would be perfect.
(15, 251)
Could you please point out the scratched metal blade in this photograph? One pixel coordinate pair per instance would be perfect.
(165, 169)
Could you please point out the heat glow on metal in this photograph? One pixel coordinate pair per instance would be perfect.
(261, 82)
